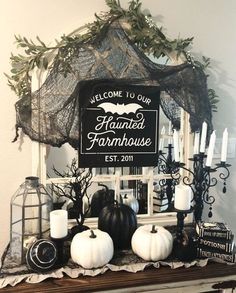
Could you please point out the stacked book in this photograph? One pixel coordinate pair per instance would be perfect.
(215, 240)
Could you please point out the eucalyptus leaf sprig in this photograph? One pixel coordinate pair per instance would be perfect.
(142, 31)
(148, 38)
(205, 64)
(22, 65)
(213, 98)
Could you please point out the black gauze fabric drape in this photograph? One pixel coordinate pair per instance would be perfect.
(50, 115)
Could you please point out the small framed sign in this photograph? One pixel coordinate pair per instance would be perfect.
(118, 124)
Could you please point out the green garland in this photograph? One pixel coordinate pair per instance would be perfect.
(143, 32)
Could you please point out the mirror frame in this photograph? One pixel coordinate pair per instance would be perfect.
(39, 168)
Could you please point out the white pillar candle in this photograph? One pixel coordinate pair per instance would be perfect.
(203, 137)
(183, 196)
(224, 145)
(210, 151)
(176, 145)
(58, 224)
(196, 143)
(162, 139)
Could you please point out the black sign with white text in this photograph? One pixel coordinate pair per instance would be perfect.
(118, 124)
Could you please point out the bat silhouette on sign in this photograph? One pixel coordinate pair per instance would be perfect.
(120, 108)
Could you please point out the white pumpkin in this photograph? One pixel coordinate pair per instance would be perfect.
(92, 248)
(152, 243)
(131, 201)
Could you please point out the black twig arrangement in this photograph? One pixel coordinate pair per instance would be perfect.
(75, 189)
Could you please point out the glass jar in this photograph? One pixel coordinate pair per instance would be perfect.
(30, 208)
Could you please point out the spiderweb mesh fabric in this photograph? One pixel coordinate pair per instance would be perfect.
(50, 114)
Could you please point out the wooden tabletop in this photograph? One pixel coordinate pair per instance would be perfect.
(224, 277)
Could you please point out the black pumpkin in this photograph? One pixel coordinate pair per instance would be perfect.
(100, 199)
(41, 256)
(120, 222)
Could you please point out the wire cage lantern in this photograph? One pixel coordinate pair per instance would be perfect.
(30, 208)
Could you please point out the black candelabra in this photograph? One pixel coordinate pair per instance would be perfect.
(200, 177)
(200, 180)
(184, 246)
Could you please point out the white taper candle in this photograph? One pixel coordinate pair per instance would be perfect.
(224, 145)
(196, 143)
(170, 133)
(162, 139)
(176, 145)
(181, 150)
(203, 137)
(210, 151)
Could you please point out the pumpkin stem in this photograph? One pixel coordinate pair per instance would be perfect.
(106, 188)
(92, 234)
(154, 230)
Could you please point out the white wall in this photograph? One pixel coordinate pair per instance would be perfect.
(211, 22)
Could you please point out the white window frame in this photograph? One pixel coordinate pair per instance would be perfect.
(39, 155)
